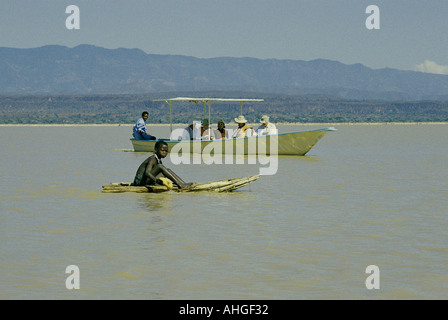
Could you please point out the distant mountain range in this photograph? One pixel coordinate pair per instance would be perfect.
(88, 69)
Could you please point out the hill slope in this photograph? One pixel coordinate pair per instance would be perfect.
(88, 69)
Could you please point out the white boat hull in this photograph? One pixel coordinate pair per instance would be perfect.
(292, 143)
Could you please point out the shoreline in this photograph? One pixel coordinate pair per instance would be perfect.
(230, 124)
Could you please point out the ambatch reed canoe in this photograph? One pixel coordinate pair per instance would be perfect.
(226, 185)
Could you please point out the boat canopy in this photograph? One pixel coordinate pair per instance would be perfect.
(207, 102)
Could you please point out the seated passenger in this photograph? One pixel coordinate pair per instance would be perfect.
(266, 127)
(139, 131)
(187, 134)
(206, 132)
(221, 132)
(244, 130)
(192, 131)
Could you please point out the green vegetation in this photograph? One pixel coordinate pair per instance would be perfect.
(125, 109)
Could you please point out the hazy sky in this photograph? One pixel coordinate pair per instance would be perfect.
(412, 36)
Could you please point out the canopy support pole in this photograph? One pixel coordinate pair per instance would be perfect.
(171, 116)
(210, 102)
(171, 119)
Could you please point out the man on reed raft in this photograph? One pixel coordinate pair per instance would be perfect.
(152, 171)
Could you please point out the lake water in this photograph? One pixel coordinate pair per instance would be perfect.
(364, 195)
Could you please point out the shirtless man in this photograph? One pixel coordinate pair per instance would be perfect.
(152, 169)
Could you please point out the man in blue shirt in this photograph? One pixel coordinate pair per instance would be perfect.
(140, 132)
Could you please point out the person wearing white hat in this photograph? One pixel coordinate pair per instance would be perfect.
(266, 127)
(244, 130)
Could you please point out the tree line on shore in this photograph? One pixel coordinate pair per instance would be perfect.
(125, 109)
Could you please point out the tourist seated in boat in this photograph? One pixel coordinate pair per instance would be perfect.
(206, 132)
(152, 170)
(187, 134)
(221, 132)
(192, 131)
(139, 131)
(266, 127)
(243, 130)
